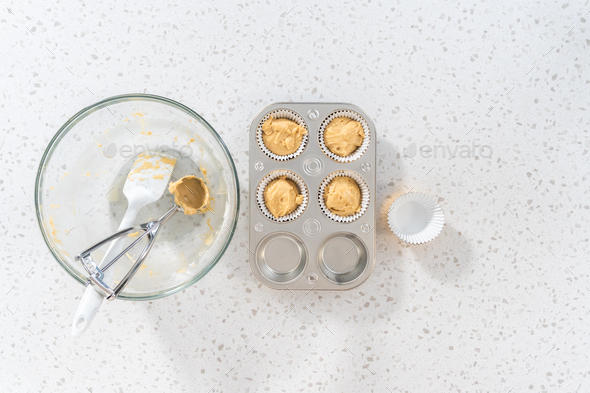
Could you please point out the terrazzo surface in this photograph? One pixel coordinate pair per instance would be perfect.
(498, 302)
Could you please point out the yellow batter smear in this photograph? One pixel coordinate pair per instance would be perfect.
(208, 237)
(281, 197)
(53, 230)
(129, 257)
(145, 165)
(191, 193)
(212, 198)
(133, 234)
(343, 196)
(166, 160)
(343, 136)
(148, 165)
(282, 136)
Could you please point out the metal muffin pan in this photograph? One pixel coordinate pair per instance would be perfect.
(312, 251)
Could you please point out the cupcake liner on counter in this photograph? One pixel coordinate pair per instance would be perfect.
(415, 218)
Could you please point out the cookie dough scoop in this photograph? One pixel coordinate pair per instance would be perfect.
(191, 195)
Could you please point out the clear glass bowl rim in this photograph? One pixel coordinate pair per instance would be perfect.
(68, 125)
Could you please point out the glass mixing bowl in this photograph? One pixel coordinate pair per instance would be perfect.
(79, 191)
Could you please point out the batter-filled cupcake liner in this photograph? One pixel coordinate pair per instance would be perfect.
(282, 114)
(365, 196)
(355, 155)
(415, 218)
(302, 189)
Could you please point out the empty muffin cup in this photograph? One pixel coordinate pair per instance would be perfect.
(342, 257)
(282, 114)
(415, 218)
(364, 202)
(281, 257)
(301, 188)
(356, 154)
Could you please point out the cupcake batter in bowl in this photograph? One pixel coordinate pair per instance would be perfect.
(80, 201)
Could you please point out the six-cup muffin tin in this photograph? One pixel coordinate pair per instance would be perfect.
(312, 248)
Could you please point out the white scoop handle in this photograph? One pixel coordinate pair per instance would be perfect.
(91, 299)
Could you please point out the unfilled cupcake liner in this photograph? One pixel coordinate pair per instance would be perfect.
(282, 114)
(302, 188)
(435, 220)
(355, 155)
(365, 196)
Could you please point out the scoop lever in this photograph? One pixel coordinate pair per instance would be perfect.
(96, 274)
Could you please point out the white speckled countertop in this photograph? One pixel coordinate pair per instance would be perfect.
(499, 302)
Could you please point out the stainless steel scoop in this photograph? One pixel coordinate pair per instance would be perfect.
(145, 183)
(96, 273)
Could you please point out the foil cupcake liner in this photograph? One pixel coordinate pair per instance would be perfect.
(302, 188)
(365, 196)
(355, 155)
(282, 114)
(415, 218)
